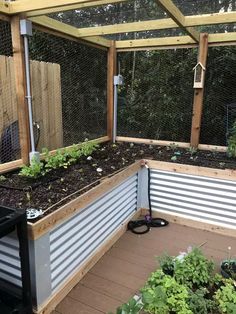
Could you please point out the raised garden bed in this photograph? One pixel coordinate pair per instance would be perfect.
(92, 208)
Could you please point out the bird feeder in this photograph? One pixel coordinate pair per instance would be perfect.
(199, 73)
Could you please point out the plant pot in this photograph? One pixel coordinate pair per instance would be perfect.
(228, 268)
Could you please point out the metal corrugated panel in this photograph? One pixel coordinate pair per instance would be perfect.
(75, 240)
(10, 268)
(201, 198)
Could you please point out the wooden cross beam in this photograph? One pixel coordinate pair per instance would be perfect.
(66, 29)
(169, 7)
(40, 7)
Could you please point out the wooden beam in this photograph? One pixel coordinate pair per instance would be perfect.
(155, 42)
(198, 95)
(10, 166)
(22, 6)
(4, 7)
(127, 27)
(111, 71)
(63, 28)
(169, 7)
(19, 72)
(151, 142)
(77, 6)
(210, 19)
(220, 39)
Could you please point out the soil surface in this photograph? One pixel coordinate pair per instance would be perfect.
(59, 186)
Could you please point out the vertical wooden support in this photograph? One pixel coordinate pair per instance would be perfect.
(111, 71)
(19, 73)
(198, 94)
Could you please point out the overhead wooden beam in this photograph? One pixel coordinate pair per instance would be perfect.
(198, 95)
(77, 6)
(4, 7)
(169, 7)
(155, 42)
(50, 6)
(68, 30)
(174, 42)
(206, 19)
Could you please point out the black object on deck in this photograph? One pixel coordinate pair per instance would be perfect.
(13, 299)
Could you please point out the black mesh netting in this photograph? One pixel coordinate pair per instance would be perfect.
(74, 95)
(156, 99)
(9, 129)
(219, 111)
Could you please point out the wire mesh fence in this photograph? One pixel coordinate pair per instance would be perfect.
(219, 111)
(69, 90)
(156, 99)
(9, 128)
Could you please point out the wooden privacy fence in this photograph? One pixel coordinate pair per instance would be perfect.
(46, 99)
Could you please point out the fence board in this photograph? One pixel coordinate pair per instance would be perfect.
(46, 93)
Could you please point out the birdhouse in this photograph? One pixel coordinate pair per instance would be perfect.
(199, 73)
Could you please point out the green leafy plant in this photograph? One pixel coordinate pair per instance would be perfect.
(167, 264)
(199, 303)
(192, 150)
(163, 294)
(131, 307)
(231, 150)
(226, 298)
(194, 270)
(34, 170)
(2, 178)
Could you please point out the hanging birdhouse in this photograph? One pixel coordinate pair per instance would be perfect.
(199, 73)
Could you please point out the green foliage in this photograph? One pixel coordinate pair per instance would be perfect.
(226, 298)
(87, 148)
(61, 159)
(2, 178)
(163, 294)
(199, 303)
(34, 170)
(131, 307)
(231, 150)
(167, 264)
(195, 270)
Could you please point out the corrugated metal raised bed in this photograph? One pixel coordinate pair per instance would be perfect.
(65, 244)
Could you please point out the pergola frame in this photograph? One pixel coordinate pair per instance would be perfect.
(36, 11)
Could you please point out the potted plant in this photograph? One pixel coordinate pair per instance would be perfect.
(228, 266)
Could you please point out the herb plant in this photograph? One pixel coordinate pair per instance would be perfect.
(226, 298)
(195, 270)
(34, 170)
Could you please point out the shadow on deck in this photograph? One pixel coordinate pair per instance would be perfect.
(125, 267)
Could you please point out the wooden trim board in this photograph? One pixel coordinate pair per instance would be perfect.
(192, 223)
(66, 211)
(150, 142)
(226, 174)
(50, 305)
(10, 166)
(214, 148)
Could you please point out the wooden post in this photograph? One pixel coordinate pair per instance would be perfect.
(111, 71)
(19, 73)
(198, 94)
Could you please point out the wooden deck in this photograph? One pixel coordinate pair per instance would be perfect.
(126, 266)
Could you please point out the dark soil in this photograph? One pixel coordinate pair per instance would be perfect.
(19, 192)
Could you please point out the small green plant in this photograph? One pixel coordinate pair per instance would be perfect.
(199, 303)
(34, 170)
(173, 158)
(195, 270)
(231, 150)
(131, 307)
(226, 298)
(172, 146)
(2, 178)
(192, 151)
(87, 148)
(167, 264)
(58, 160)
(163, 294)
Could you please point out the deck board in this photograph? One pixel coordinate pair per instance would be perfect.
(123, 270)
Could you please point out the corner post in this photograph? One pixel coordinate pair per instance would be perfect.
(111, 71)
(19, 73)
(198, 94)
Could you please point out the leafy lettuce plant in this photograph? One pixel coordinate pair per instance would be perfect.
(34, 170)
